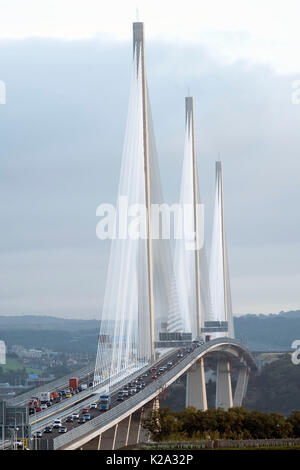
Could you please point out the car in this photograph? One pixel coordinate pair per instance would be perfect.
(44, 406)
(154, 376)
(18, 445)
(133, 389)
(84, 410)
(81, 420)
(63, 429)
(69, 395)
(93, 406)
(86, 416)
(143, 384)
(75, 415)
(48, 403)
(125, 392)
(48, 429)
(154, 368)
(57, 424)
(69, 419)
(139, 386)
(145, 374)
(120, 398)
(38, 434)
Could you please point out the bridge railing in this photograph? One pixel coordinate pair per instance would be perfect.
(50, 386)
(65, 408)
(123, 407)
(147, 394)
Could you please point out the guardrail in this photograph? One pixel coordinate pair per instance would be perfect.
(147, 394)
(51, 386)
(64, 408)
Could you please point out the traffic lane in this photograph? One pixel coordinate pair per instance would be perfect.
(82, 380)
(114, 401)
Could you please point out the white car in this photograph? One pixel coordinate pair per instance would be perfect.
(57, 423)
(93, 406)
(75, 415)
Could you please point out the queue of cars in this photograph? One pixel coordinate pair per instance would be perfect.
(127, 390)
(47, 399)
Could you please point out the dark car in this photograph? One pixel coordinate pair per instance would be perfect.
(38, 434)
(48, 429)
(120, 398)
(81, 420)
(69, 419)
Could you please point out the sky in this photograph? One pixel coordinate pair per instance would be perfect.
(66, 66)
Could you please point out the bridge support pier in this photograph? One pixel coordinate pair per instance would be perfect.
(108, 438)
(122, 433)
(196, 387)
(134, 428)
(223, 387)
(241, 386)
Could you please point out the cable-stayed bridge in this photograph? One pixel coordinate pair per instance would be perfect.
(150, 300)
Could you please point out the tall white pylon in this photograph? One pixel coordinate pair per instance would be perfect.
(190, 259)
(219, 273)
(139, 290)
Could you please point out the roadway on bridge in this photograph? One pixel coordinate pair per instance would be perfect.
(114, 401)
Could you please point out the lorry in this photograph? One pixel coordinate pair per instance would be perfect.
(54, 395)
(44, 397)
(34, 402)
(73, 383)
(105, 401)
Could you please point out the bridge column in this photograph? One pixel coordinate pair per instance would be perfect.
(196, 387)
(223, 388)
(134, 428)
(241, 386)
(108, 439)
(122, 433)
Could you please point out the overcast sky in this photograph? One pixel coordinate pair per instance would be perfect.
(67, 65)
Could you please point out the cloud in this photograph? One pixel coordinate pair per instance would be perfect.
(62, 133)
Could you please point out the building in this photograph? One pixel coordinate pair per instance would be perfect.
(2, 352)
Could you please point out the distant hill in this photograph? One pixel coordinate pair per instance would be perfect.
(273, 332)
(35, 322)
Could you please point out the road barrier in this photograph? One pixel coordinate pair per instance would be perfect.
(145, 395)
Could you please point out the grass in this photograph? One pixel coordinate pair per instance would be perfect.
(13, 364)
